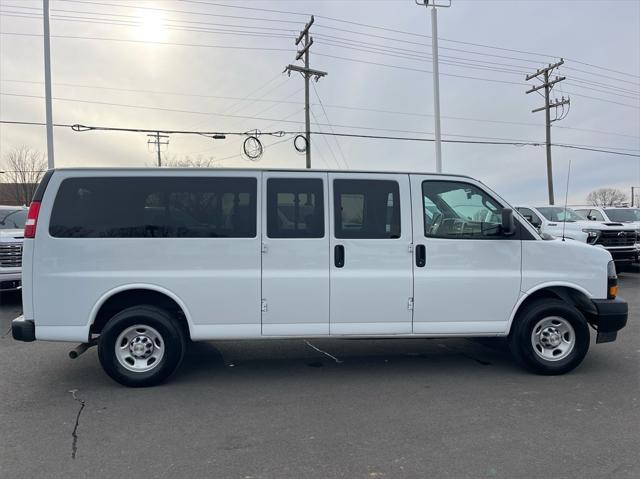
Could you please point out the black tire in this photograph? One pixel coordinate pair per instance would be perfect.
(171, 342)
(522, 347)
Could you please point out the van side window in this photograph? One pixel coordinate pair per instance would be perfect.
(366, 209)
(460, 210)
(155, 207)
(295, 208)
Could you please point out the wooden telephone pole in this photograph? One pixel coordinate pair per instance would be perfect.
(307, 73)
(158, 140)
(548, 85)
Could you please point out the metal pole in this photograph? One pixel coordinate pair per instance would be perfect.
(47, 83)
(307, 121)
(158, 149)
(547, 111)
(436, 87)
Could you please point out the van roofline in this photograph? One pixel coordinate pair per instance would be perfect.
(312, 170)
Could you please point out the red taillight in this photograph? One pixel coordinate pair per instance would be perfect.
(32, 220)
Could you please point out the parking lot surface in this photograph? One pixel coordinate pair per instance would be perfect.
(283, 409)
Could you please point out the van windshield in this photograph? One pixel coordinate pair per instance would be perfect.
(623, 214)
(553, 213)
(12, 219)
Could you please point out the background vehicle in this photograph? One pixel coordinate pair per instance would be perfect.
(613, 214)
(617, 238)
(12, 219)
(141, 260)
(610, 214)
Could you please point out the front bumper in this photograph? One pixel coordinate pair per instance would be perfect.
(624, 255)
(609, 318)
(10, 281)
(23, 329)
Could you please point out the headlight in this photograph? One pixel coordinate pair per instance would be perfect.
(593, 235)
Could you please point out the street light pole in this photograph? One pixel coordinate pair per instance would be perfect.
(436, 86)
(436, 75)
(47, 83)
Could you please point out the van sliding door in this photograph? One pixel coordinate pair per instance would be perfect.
(371, 261)
(295, 254)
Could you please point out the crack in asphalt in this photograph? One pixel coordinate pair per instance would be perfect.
(463, 354)
(323, 352)
(7, 333)
(74, 433)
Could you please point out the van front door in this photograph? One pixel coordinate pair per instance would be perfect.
(467, 272)
(371, 262)
(295, 254)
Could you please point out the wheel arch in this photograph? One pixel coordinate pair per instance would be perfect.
(124, 296)
(571, 293)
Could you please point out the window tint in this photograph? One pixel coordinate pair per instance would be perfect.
(533, 218)
(558, 213)
(12, 219)
(144, 207)
(366, 208)
(595, 214)
(295, 208)
(624, 214)
(459, 210)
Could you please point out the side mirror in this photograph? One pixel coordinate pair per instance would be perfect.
(591, 218)
(508, 222)
(529, 218)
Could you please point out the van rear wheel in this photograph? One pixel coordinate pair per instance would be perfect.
(549, 337)
(141, 346)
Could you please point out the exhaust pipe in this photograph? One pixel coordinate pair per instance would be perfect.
(80, 348)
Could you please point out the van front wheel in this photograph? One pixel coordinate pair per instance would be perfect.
(549, 337)
(141, 346)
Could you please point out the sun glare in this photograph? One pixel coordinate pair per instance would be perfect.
(151, 27)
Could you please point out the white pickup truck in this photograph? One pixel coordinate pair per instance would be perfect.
(12, 220)
(618, 238)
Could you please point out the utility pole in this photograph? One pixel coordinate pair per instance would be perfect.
(158, 140)
(633, 188)
(436, 75)
(307, 73)
(548, 104)
(47, 84)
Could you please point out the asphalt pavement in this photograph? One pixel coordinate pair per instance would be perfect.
(420, 408)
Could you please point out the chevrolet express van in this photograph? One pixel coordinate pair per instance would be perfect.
(139, 261)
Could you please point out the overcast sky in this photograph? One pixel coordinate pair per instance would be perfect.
(156, 46)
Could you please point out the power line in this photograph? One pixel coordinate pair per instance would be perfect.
(280, 133)
(376, 27)
(168, 10)
(344, 158)
(146, 42)
(374, 48)
(399, 67)
(254, 99)
(124, 23)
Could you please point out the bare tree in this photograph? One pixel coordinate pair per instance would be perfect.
(23, 169)
(606, 197)
(189, 162)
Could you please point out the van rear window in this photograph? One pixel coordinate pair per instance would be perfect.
(147, 207)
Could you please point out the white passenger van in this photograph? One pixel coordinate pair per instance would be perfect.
(141, 260)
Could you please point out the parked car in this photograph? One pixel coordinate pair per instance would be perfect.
(617, 238)
(12, 219)
(139, 261)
